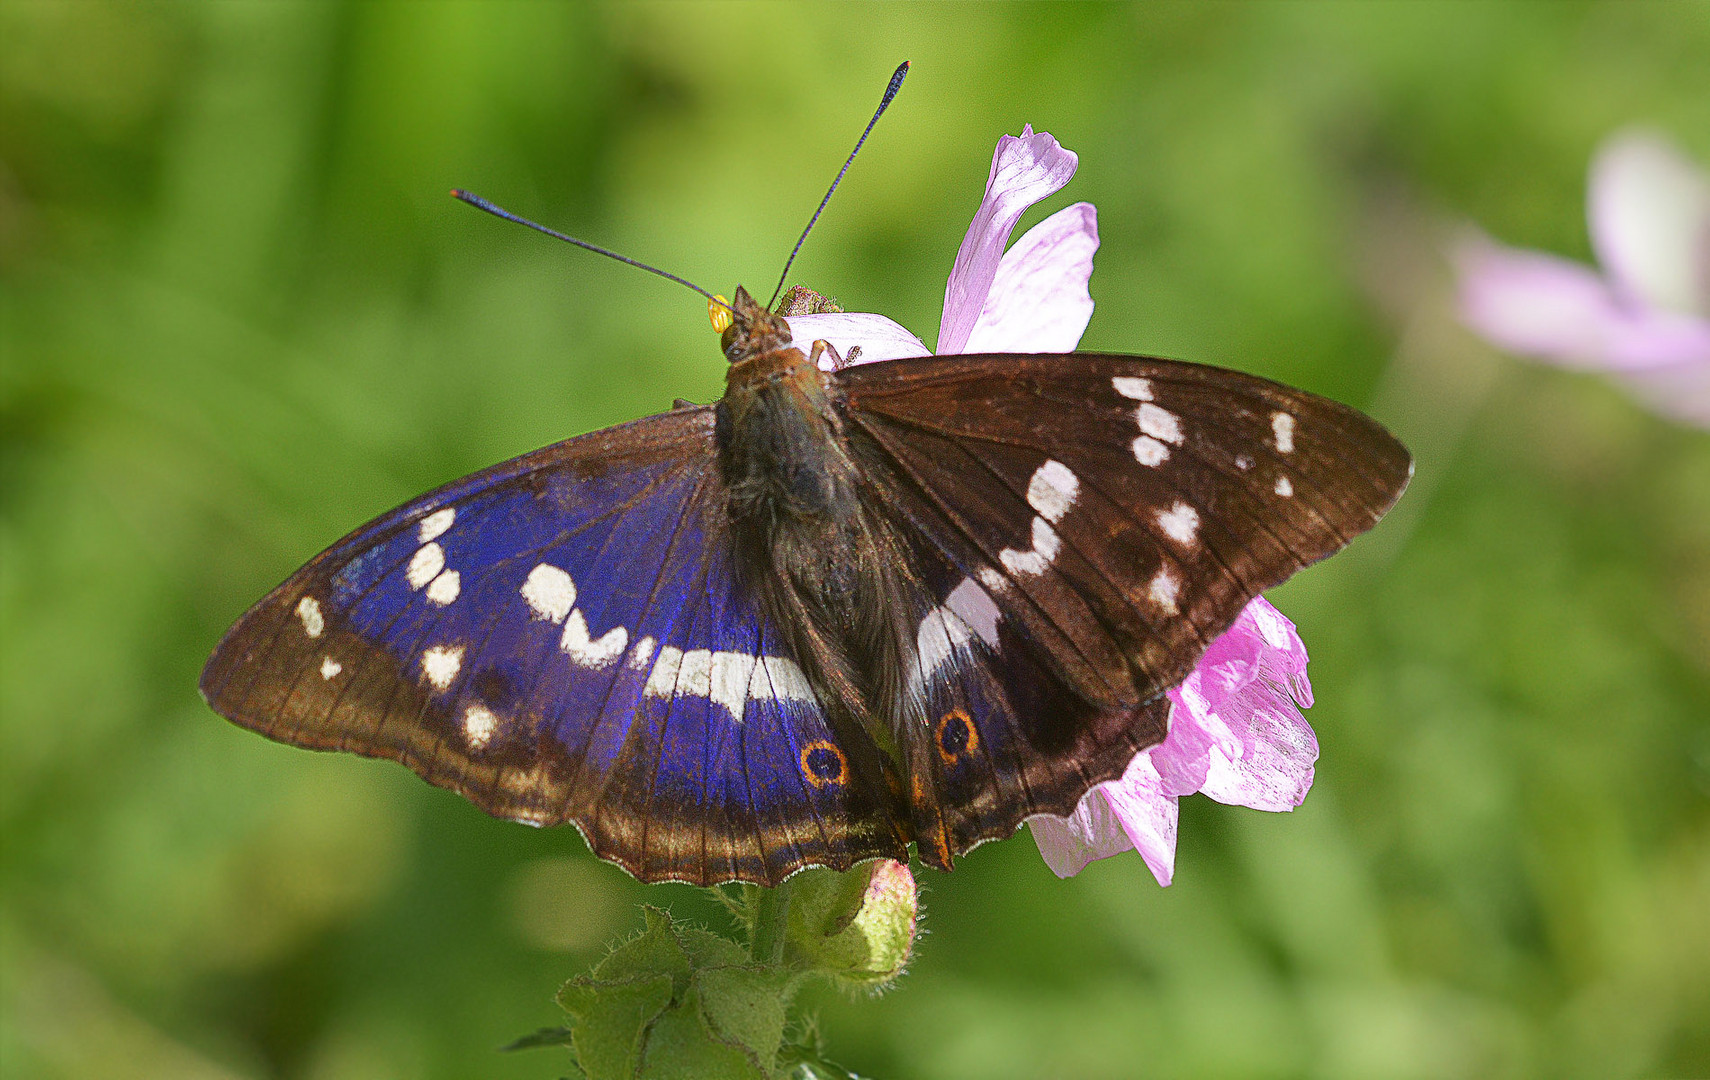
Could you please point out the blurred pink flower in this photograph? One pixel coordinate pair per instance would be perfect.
(1645, 318)
(1236, 732)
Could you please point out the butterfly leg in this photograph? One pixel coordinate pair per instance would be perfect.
(838, 363)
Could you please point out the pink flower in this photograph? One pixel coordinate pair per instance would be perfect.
(1031, 298)
(1645, 319)
(1236, 732)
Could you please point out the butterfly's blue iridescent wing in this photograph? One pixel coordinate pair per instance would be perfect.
(561, 638)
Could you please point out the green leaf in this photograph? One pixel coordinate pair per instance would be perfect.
(706, 949)
(612, 1020)
(658, 949)
(745, 1007)
(680, 1046)
(552, 1036)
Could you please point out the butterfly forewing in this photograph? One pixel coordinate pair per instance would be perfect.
(1121, 511)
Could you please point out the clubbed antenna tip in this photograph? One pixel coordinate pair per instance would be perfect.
(884, 103)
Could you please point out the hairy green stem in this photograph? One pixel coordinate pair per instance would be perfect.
(771, 912)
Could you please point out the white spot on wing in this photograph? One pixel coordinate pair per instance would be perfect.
(728, 679)
(441, 664)
(429, 560)
(1285, 487)
(732, 673)
(1180, 523)
(434, 525)
(694, 677)
(1164, 589)
(991, 579)
(550, 592)
(309, 610)
(1160, 423)
(778, 678)
(941, 633)
(1052, 490)
(662, 681)
(1243, 462)
(974, 606)
(330, 667)
(594, 653)
(640, 655)
(1131, 387)
(443, 589)
(1034, 561)
(1150, 452)
(1282, 426)
(479, 724)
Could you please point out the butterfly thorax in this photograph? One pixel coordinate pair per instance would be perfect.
(825, 565)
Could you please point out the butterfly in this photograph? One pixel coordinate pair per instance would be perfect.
(831, 615)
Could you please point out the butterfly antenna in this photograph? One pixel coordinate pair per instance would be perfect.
(884, 103)
(498, 211)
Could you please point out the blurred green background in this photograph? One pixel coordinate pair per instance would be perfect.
(241, 316)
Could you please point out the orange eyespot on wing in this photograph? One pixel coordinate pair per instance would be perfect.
(823, 763)
(956, 736)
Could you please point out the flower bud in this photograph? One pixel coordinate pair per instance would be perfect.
(857, 927)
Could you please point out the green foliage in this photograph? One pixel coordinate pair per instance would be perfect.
(239, 317)
(676, 1002)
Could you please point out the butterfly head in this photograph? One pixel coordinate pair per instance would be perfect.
(753, 331)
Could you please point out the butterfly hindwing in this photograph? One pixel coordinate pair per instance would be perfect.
(560, 638)
(1003, 736)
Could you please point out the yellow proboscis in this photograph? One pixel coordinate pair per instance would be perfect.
(718, 310)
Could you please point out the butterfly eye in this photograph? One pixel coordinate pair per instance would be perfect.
(823, 763)
(718, 310)
(956, 736)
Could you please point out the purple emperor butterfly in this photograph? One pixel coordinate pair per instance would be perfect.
(832, 614)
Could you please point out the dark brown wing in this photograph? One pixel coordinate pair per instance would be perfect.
(1120, 510)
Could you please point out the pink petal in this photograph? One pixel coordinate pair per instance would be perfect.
(1184, 757)
(878, 337)
(1649, 211)
(1273, 766)
(1092, 832)
(1236, 733)
(1531, 303)
(1039, 300)
(1129, 813)
(1681, 391)
(1552, 309)
(1286, 655)
(1149, 817)
(1024, 170)
(1279, 748)
(1208, 707)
